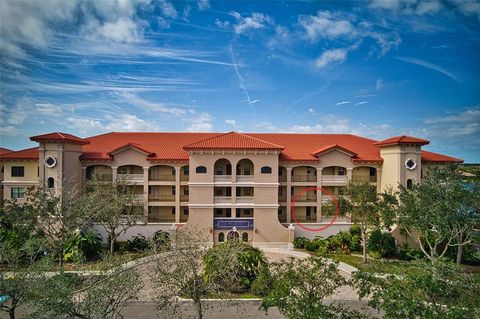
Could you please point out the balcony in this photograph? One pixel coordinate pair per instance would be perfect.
(222, 178)
(161, 198)
(334, 179)
(304, 178)
(161, 177)
(364, 178)
(306, 198)
(184, 198)
(245, 178)
(282, 198)
(130, 177)
(244, 199)
(222, 199)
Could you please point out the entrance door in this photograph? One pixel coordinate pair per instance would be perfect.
(233, 235)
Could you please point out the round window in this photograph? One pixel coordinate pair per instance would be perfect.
(410, 164)
(50, 161)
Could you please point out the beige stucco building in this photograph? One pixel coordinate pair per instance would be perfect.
(258, 187)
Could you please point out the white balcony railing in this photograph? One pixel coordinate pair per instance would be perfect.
(304, 178)
(245, 199)
(222, 178)
(131, 177)
(334, 178)
(245, 178)
(222, 199)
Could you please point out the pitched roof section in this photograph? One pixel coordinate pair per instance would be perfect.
(130, 145)
(435, 157)
(235, 141)
(332, 147)
(4, 151)
(59, 137)
(26, 154)
(404, 139)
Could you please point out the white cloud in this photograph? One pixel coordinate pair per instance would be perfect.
(255, 21)
(152, 106)
(222, 24)
(326, 25)
(167, 9)
(266, 126)
(201, 122)
(342, 103)
(231, 122)
(468, 7)
(429, 65)
(361, 103)
(329, 57)
(131, 123)
(123, 30)
(379, 85)
(203, 4)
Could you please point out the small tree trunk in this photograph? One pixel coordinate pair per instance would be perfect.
(364, 246)
(198, 305)
(60, 259)
(460, 248)
(11, 313)
(112, 244)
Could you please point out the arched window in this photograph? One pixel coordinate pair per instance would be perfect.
(245, 236)
(409, 184)
(266, 170)
(221, 237)
(201, 170)
(50, 182)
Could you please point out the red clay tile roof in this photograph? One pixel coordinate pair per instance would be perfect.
(4, 151)
(327, 148)
(26, 154)
(435, 157)
(130, 145)
(59, 137)
(233, 141)
(166, 146)
(404, 139)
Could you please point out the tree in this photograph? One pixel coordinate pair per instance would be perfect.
(368, 209)
(439, 212)
(428, 290)
(298, 288)
(96, 297)
(113, 205)
(180, 272)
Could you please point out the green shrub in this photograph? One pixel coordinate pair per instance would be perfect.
(355, 230)
(84, 246)
(262, 285)
(313, 245)
(356, 243)
(383, 243)
(138, 244)
(243, 269)
(161, 240)
(300, 242)
(340, 242)
(375, 254)
(408, 254)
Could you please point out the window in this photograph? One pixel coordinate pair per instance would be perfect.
(18, 171)
(409, 184)
(308, 213)
(246, 171)
(173, 171)
(280, 191)
(341, 171)
(221, 237)
(173, 190)
(218, 212)
(185, 211)
(266, 170)
(186, 170)
(219, 171)
(245, 236)
(373, 172)
(17, 192)
(50, 182)
(185, 191)
(173, 210)
(201, 170)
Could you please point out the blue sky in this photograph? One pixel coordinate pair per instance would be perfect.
(373, 68)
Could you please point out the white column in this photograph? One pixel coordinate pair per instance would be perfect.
(349, 173)
(114, 173)
(379, 180)
(289, 193)
(177, 194)
(319, 195)
(145, 193)
(234, 185)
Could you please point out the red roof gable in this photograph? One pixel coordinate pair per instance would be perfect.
(435, 157)
(59, 137)
(404, 139)
(328, 148)
(4, 151)
(26, 154)
(233, 140)
(130, 145)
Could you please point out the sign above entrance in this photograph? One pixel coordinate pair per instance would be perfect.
(229, 223)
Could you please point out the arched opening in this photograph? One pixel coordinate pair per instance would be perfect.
(409, 183)
(245, 237)
(332, 174)
(161, 173)
(223, 167)
(245, 167)
(201, 170)
(364, 174)
(221, 237)
(233, 235)
(304, 174)
(50, 182)
(130, 172)
(99, 172)
(282, 174)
